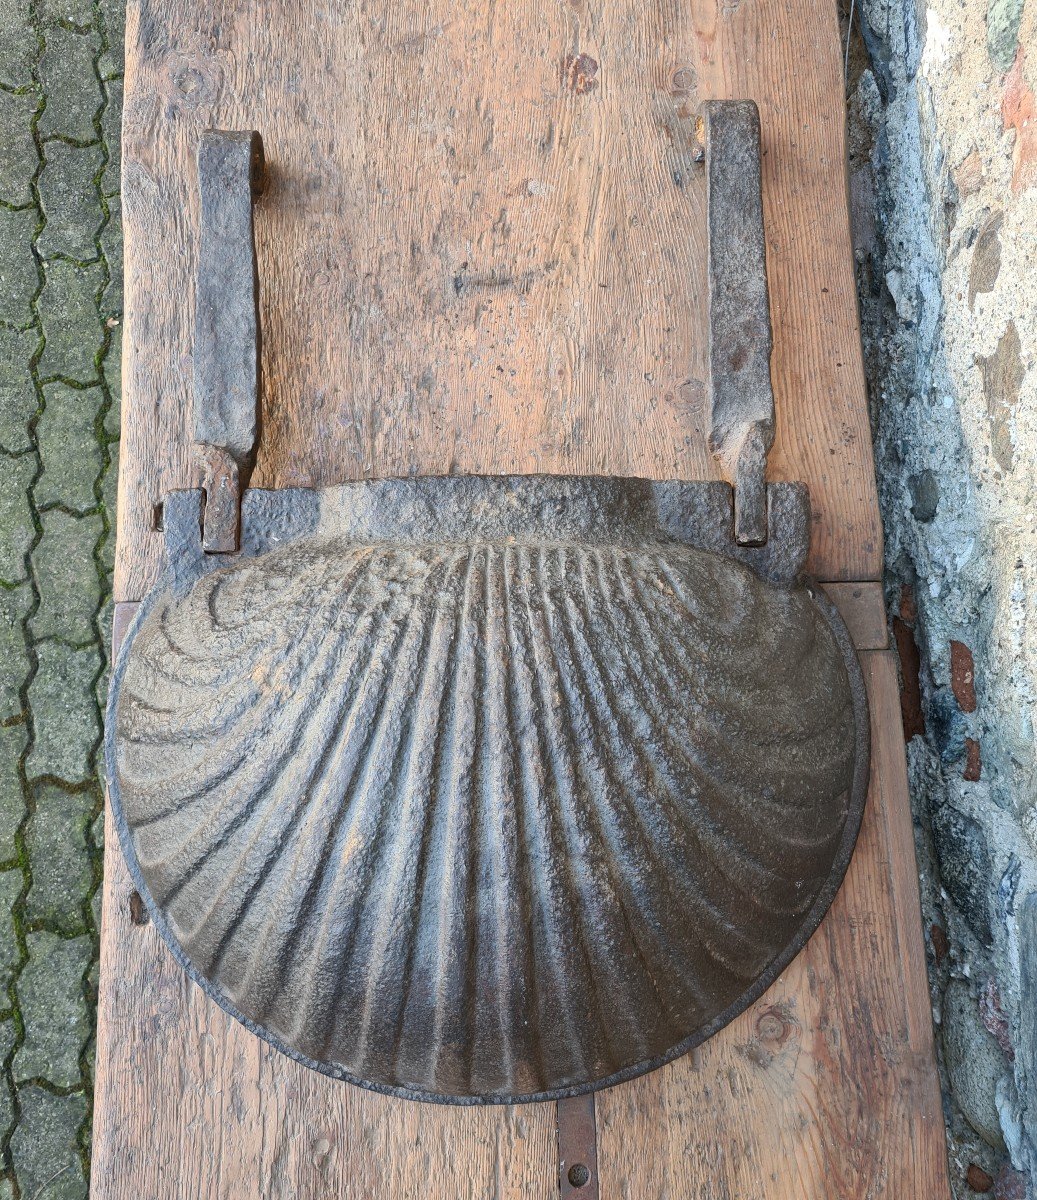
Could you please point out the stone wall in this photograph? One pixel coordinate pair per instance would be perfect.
(943, 182)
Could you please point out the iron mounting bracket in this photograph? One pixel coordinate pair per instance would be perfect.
(231, 177)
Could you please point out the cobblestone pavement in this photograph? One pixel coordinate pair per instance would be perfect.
(60, 310)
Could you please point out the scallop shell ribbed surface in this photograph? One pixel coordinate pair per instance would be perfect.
(484, 821)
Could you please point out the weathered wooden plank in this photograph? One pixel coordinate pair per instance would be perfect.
(482, 246)
(482, 250)
(863, 608)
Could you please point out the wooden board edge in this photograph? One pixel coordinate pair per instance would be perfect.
(862, 606)
(889, 763)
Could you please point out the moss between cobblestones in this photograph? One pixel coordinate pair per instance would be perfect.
(56, 841)
(50, 999)
(60, 309)
(17, 392)
(44, 1145)
(71, 455)
(18, 155)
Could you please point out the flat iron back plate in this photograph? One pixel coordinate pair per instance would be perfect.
(487, 789)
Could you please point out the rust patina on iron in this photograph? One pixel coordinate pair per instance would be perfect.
(741, 397)
(489, 789)
(226, 352)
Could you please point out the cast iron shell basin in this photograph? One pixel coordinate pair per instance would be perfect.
(487, 789)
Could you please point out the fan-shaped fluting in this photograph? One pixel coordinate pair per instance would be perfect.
(484, 819)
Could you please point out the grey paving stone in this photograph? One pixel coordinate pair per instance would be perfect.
(75, 12)
(59, 858)
(71, 85)
(19, 157)
(11, 883)
(111, 248)
(14, 654)
(18, 401)
(66, 577)
(97, 832)
(64, 712)
(111, 132)
(113, 18)
(19, 276)
(44, 1150)
(13, 740)
(62, 729)
(71, 323)
(17, 43)
(90, 1060)
(16, 526)
(53, 1008)
(96, 907)
(71, 201)
(102, 774)
(71, 456)
(8, 1035)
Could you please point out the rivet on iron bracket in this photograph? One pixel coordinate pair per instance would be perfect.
(577, 1148)
(741, 399)
(226, 329)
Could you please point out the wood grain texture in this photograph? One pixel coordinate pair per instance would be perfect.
(482, 247)
(482, 250)
(825, 1089)
(863, 608)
